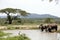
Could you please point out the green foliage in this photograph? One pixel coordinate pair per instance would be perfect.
(20, 37)
(23, 37)
(22, 21)
(49, 20)
(3, 34)
(12, 10)
(9, 10)
(2, 39)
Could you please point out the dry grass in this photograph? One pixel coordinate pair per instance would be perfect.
(20, 26)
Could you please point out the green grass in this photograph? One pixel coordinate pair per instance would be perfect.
(3, 34)
(20, 37)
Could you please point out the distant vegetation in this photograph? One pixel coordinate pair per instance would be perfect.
(22, 21)
(15, 20)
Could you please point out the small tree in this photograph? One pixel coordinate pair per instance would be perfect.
(49, 20)
(12, 10)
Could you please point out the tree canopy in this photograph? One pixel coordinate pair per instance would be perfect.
(13, 10)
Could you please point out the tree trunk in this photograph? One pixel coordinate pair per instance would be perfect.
(9, 19)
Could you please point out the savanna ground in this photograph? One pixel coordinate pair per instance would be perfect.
(20, 27)
(23, 27)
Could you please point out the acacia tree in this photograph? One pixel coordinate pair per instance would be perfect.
(12, 10)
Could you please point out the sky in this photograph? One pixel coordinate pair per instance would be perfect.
(33, 6)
